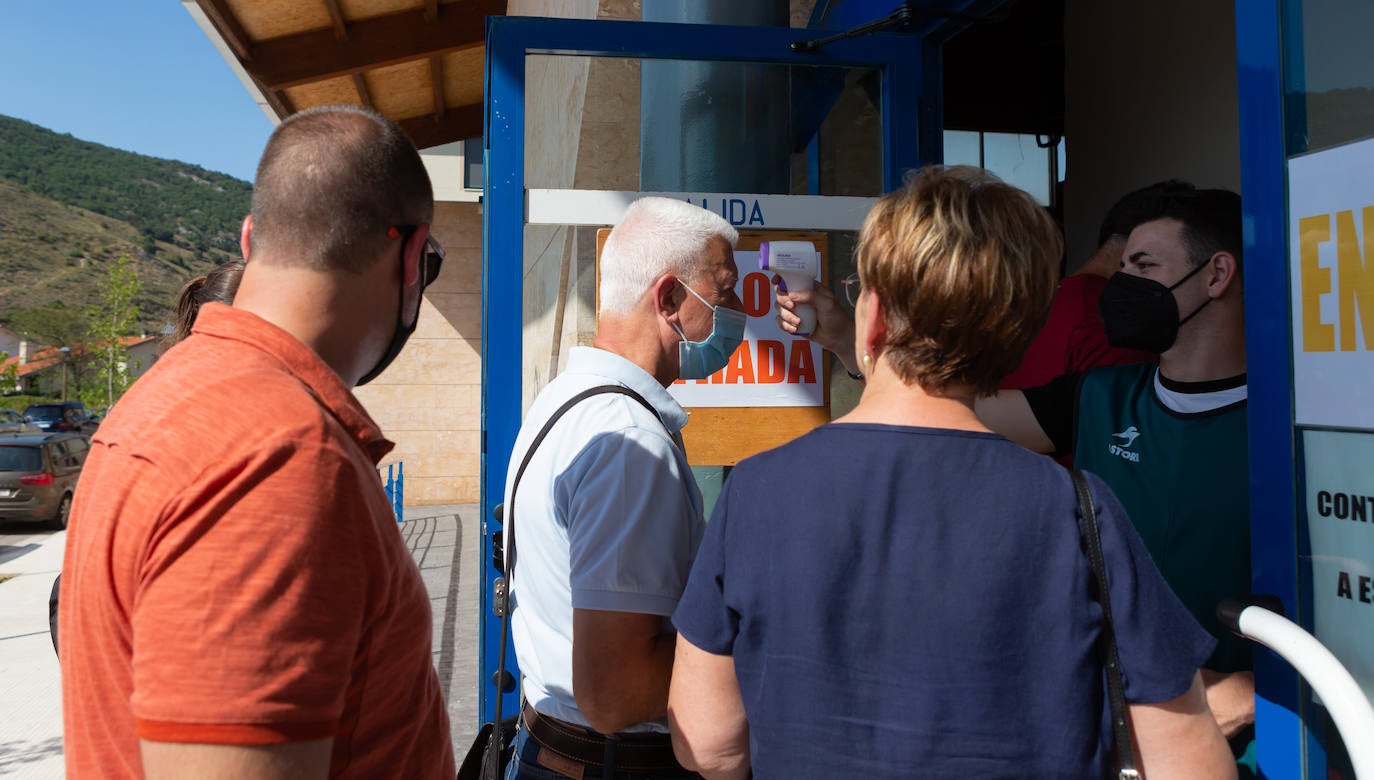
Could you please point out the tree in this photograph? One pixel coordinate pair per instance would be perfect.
(115, 315)
(53, 325)
(57, 326)
(9, 378)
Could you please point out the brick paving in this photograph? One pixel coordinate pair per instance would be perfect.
(445, 541)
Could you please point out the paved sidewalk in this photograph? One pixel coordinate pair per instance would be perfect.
(30, 682)
(446, 543)
(444, 540)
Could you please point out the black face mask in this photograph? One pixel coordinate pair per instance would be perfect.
(431, 260)
(398, 342)
(1140, 313)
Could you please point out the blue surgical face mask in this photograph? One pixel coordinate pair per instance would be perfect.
(700, 359)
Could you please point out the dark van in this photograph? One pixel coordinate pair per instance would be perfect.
(38, 473)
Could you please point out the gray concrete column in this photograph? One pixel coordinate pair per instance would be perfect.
(714, 126)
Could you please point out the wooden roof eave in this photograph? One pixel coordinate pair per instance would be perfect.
(287, 68)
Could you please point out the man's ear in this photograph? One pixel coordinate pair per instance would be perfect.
(246, 237)
(667, 296)
(1225, 274)
(413, 250)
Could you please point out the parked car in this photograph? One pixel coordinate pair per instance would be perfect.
(14, 422)
(90, 424)
(58, 415)
(38, 473)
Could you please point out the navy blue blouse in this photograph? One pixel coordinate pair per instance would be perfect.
(914, 602)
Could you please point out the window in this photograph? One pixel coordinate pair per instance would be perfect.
(1020, 159)
(1330, 74)
(21, 459)
(473, 178)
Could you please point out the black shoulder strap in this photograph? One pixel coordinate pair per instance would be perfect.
(534, 445)
(1111, 660)
(509, 529)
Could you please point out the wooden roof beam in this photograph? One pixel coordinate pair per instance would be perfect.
(458, 124)
(279, 102)
(229, 28)
(298, 59)
(336, 17)
(364, 94)
(436, 82)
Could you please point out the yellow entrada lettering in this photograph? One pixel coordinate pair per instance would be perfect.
(1317, 336)
(1355, 278)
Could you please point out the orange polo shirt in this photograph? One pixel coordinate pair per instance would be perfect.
(234, 574)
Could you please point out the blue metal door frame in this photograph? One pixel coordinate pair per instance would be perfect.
(1274, 532)
(910, 110)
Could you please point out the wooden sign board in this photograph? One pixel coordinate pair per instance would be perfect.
(725, 435)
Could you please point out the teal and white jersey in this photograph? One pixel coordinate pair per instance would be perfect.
(1177, 458)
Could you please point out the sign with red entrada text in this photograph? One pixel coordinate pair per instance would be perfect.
(771, 367)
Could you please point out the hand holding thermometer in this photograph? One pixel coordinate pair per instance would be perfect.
(798, 263)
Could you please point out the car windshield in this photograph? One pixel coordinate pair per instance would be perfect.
(44, 412)
(25, 459)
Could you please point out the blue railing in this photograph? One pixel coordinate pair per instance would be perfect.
(395, 483)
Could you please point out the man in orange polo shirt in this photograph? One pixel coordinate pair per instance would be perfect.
(236, 598)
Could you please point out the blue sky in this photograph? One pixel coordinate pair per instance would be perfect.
(132, 74)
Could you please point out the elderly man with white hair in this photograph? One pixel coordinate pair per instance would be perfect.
(604, 524)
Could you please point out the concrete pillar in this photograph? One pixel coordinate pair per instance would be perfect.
(714, 127)
(709, 126)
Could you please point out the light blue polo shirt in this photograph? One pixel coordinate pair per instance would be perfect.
(608, 518)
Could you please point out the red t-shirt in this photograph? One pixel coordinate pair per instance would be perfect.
(1073, 339)
(234, 574)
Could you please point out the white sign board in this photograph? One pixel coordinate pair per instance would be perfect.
(1331, 267)
(743, 210)
(771, 367)
(1339, 498)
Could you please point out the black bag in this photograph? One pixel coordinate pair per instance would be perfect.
(492, 750)
(475, 766)
(52, 611)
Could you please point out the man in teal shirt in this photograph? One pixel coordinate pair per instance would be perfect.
(1170, 441)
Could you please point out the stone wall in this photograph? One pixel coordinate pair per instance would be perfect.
(430, 401)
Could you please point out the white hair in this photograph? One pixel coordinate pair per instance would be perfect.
(656, 236)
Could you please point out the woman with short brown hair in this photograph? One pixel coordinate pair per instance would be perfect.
(902, 593)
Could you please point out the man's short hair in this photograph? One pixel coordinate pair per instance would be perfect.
(965, 268)
(1212, 223)
(1211, 218)
(1137, 207)
(331, 183)
(657, 236)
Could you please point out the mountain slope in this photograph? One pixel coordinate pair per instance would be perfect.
(165, 199)
(68, 207)
(52, 252)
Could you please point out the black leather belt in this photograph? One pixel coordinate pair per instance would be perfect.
(633, 752)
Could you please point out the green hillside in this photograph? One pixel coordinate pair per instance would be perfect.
(69, 207)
